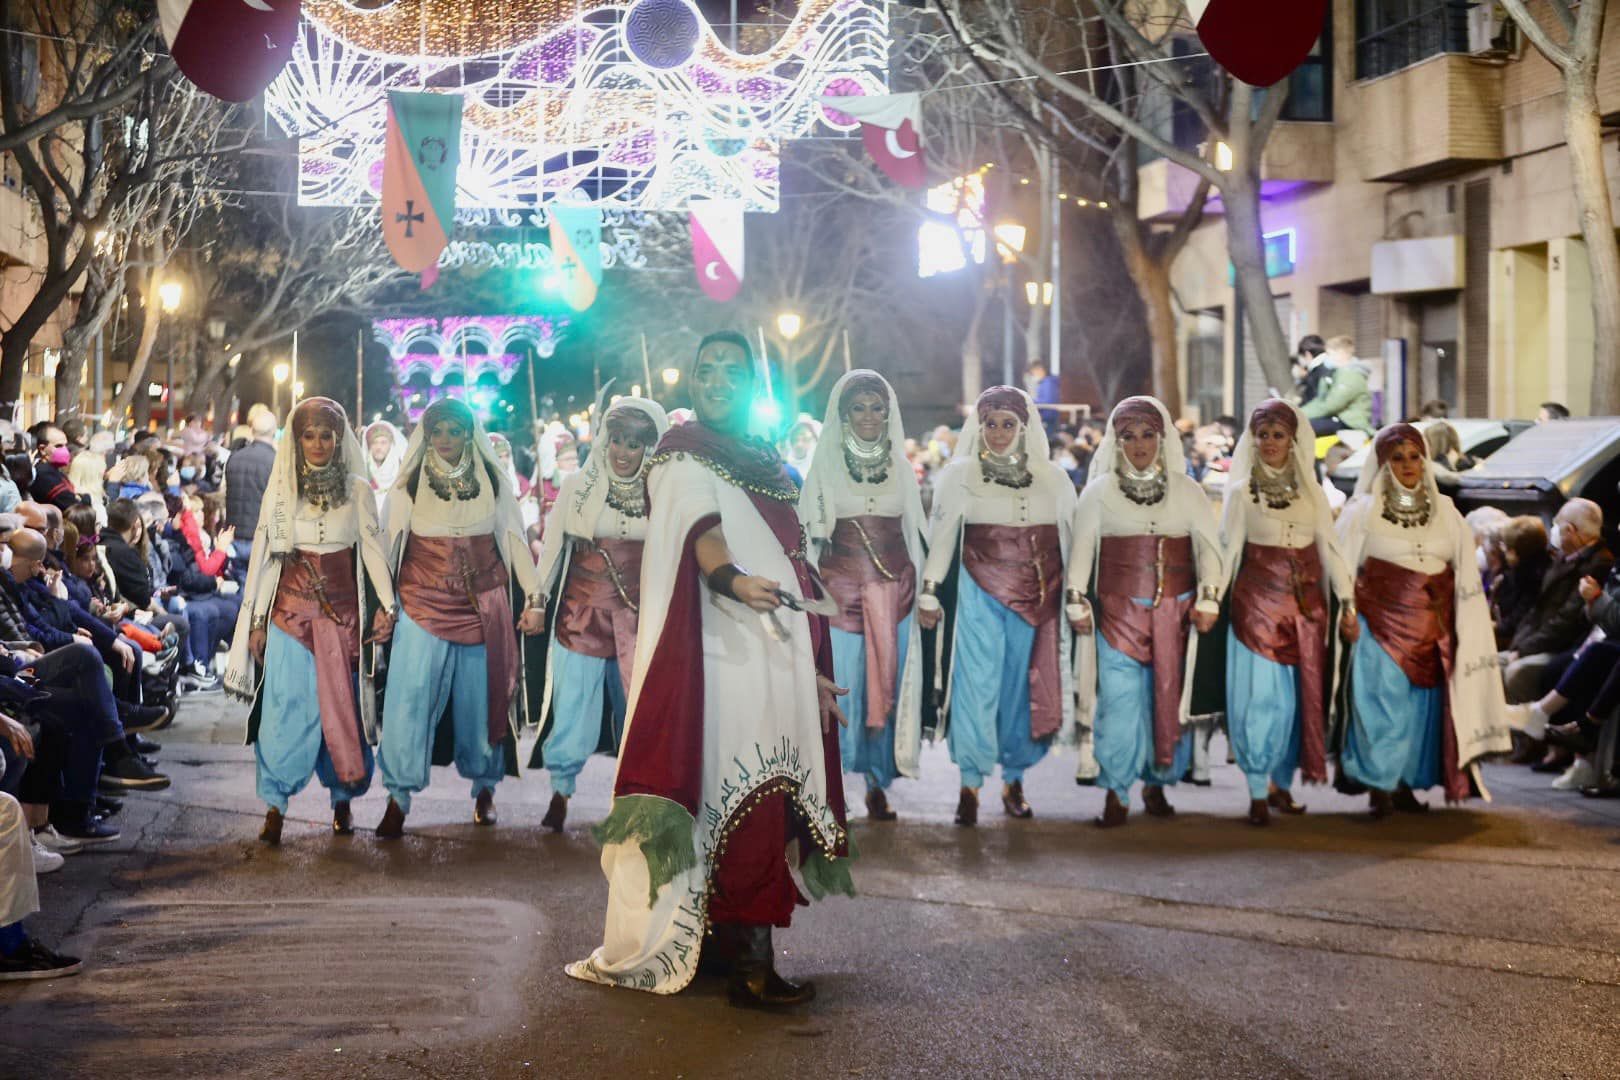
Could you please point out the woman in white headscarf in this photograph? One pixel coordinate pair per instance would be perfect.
(1147, 553)
(297, 647)
(799, 446)
(590, 575)
(1282, 560)
(1006, 507)
(862, 509)
(385, 453)
(1425, 699)
(457, 542)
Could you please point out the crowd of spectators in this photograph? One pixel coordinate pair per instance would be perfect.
(120, 576)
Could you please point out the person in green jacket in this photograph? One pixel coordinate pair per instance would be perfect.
(1346, 400)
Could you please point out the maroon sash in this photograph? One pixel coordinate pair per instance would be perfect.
(1412, 616)
(1022, 567)
(868, 570)
(318, 604)
(456, 588)
(1159, 569)
(595, 616)
(1279, 612)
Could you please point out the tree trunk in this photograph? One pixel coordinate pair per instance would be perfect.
(1240, 196)
(1583, 130)
(95, 307)
(134, 391)
(1151, 276)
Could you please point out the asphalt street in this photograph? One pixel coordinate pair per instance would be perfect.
(1475, 942)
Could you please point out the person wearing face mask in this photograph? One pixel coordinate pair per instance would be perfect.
(50, 483)
(731, 750)
(1556, 620)
(862, 510)
(1425, 699)
(297, 656)
(456, 543)
(1145, 572)
(1282, 559)
(1006, 508)
(590, 575)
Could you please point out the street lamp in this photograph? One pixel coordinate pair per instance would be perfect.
(1038, 292)
(169, 294)
(789, 324)
(671, 376)
(279, 373)
(1010, 240)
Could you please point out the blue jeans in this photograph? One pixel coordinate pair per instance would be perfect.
(213, 618)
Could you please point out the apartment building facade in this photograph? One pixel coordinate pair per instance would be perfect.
(1417, 198)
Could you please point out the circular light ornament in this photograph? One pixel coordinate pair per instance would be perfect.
(662, 34)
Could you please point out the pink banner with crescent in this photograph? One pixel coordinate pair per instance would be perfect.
(717, 246)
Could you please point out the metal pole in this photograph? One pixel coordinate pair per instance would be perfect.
(360, 378)
(733, 25)
(1055, 360)
(1007, 328)
(171, 389)
(100, 374)
(292, 387)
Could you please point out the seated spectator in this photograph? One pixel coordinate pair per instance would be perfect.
(137, 563)
(1588, 691)
(51, 457)
(1486, 523)
(1524, 553)
(88, 474)
(208, 582)
(131, 477)
(1557, 621)
(22, 957)
(1310, 367)
(194, 476)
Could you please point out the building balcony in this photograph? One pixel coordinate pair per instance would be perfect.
(1442, 115)
(1298, 153)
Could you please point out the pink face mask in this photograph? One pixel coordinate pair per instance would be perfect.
(60, 456)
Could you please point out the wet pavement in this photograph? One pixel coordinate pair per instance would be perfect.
(1472, 942)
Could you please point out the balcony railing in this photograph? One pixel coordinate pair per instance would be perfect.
(1395, 34)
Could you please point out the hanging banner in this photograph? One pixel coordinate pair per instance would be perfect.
(422, 148)
(1258, 41)
(891, 128)
(576, 252)
(231, 49)
(717, 246)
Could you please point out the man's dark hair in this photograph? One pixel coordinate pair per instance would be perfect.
(73, 428)
(1435, 410)
(1311, 345)
(38, 430)
(1555, 410)
(1038, 363)
(122, 514)
(730, 337)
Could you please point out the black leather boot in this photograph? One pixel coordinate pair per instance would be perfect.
(754, 981)
(556, 813)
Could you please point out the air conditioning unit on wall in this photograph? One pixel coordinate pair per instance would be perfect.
(1490, 31)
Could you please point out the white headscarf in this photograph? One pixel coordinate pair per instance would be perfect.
(1375, 477)
(384, 475)
(800, 463)
(1032, 436)
(828, 476)
(281, 493)
(1244, 459)
(510, 535)
(586, 492)
(1106, 459)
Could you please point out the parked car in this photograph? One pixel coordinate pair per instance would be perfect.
(1548, 464)
(1480, 439)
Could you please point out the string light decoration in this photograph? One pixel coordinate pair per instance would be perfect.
(635, 104)
(453, 354)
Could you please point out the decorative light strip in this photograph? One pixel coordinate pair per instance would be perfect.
(626, 103)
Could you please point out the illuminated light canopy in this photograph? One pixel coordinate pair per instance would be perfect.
(465, 347)
(628, 103)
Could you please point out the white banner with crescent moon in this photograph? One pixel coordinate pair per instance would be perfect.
(891, 128)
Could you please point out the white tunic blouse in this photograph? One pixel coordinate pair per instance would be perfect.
(1183, 511)
(1293, 526)
(989, 504)
(1423, 548)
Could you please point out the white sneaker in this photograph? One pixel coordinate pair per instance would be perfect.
(1582, 774)
(46, 861)
(51, 840)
